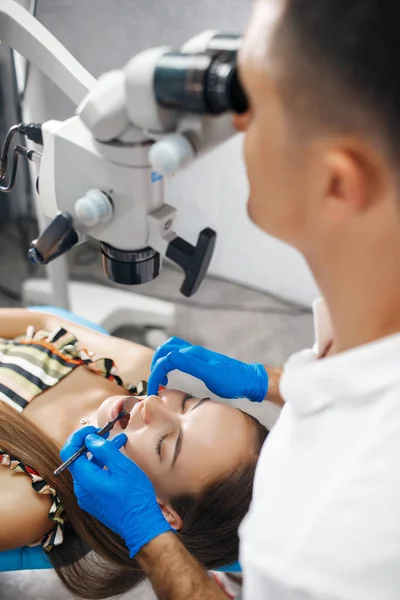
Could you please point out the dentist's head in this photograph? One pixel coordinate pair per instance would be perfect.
(322, 138)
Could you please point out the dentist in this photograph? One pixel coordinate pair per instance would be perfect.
(322, 149)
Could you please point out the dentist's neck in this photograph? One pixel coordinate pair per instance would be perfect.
(361, 286)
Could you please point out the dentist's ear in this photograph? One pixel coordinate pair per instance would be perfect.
(171, 516)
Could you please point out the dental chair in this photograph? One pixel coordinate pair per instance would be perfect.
(22, 559)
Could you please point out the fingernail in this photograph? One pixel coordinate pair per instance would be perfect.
(92, 438)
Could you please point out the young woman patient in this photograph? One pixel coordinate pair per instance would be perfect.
(200, 455)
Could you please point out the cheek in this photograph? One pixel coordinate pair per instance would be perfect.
(140, 448)
(141, 451)
(261, 163)
(252, 154)
(275, 180)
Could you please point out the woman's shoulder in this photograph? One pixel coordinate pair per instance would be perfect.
(23, 513)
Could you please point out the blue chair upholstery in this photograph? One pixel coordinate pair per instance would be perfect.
(24, 559)
(235, 568)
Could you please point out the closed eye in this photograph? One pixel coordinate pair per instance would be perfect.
(178, 445)
(185, 398)
(159, 443)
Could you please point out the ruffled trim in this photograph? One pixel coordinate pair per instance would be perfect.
(67, 344)
(56, 513)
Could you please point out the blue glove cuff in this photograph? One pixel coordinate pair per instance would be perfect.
(260, 384)
(156, 526)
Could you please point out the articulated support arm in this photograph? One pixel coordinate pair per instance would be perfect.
(25, 34)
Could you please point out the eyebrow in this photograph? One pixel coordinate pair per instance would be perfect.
(178, 445)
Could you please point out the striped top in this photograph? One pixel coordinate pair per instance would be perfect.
(29, 365)
(32, 363)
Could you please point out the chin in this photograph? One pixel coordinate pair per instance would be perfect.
(255, 212)
(260, 214)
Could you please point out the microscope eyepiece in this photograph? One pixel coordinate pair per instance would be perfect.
(201, 83)
(223, 88)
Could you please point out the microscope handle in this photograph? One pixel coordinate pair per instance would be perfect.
(194, 260)
(56, 239)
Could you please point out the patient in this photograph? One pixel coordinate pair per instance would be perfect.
(200, 455)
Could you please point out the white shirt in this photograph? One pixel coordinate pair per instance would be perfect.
(324, 523)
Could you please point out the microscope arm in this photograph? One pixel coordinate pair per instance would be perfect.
(24, 33)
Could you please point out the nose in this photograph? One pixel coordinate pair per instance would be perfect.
(156, 411)
(240, 122)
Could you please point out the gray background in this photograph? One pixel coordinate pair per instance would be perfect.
(105, 34)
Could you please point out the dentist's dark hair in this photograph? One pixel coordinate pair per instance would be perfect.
(339, 67)
(93, 562)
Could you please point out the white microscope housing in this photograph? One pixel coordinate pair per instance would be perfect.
(102, 172)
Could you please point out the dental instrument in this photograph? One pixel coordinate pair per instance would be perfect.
(125, 412)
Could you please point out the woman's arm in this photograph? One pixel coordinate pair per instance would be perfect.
(14, 321)
(133, 361)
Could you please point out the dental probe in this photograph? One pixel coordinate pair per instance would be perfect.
(107, 427)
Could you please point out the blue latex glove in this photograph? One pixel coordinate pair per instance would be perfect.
(121, 497)
(224, 376)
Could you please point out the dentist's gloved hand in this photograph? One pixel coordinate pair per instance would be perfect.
(122, 497)
(224, 376)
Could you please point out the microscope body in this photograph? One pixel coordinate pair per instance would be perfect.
(102, 172)
(105, 191)
(73, 164)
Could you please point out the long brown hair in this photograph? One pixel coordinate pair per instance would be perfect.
(93, 562)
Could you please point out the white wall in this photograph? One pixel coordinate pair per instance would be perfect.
(213, 192)
(104, 35)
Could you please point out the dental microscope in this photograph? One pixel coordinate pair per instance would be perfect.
(102, 173)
